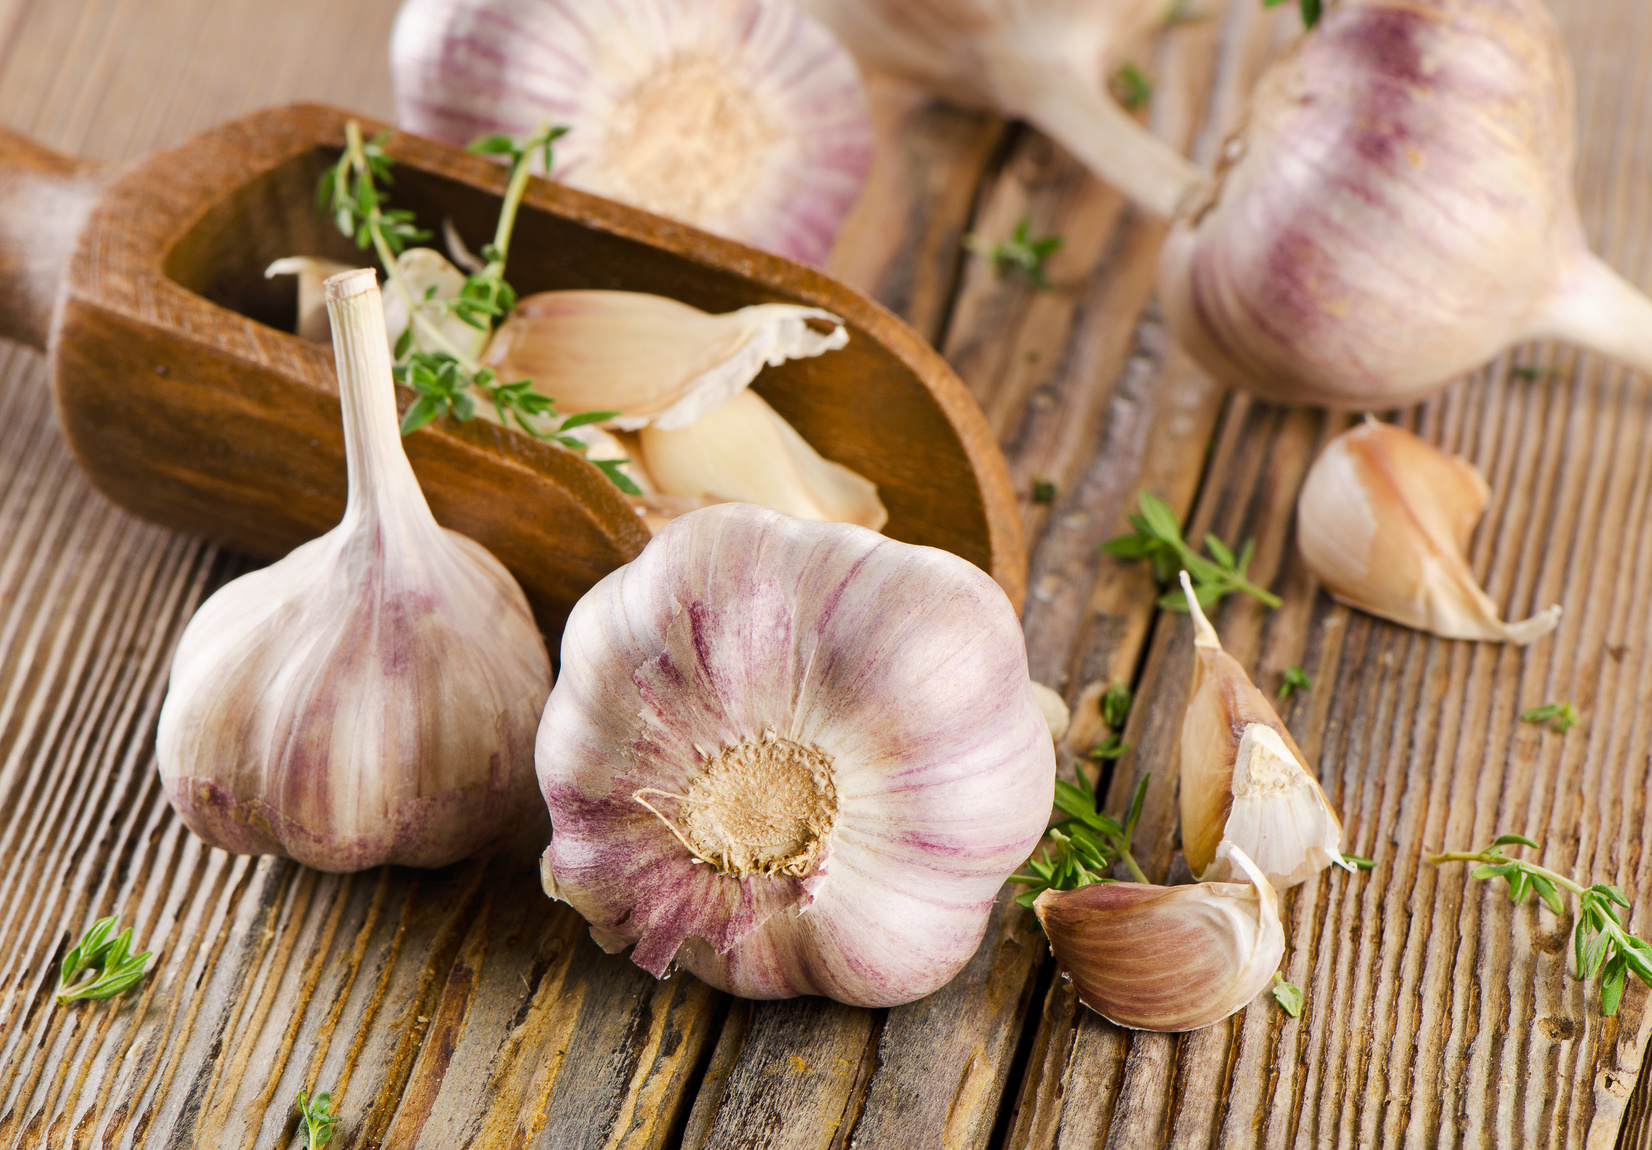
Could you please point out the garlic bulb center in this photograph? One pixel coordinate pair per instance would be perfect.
(763, 807)
(685, 141)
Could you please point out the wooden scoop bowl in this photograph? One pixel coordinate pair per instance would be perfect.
(187, 401)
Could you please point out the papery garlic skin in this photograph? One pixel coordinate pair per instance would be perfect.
(844, 720)
(745, 452)
(371, 698)
(312, 297)
(1167, 958)
(656, 361)
(1396, 211)
(742, 117)
(1383, 521)
(1244, 781)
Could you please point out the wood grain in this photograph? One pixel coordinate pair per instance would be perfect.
(460, 1007)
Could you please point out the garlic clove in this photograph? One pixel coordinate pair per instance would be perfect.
(792, 757)
(1383, 521)
(744, 452)
(742, 117)
(1167, 958)
(1244, 782)
(424, 269)
(372, 697)
(1056, 715)
(312, 297)
(653, 359)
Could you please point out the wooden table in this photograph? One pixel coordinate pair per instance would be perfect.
(461, 1008)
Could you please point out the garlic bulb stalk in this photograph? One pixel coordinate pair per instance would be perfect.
(1396, 211)
(742, 117)
(656, 361)
(1244, 782)
(793, 758)
(1383, 521)
(372, 697)
(744, 452)
(1046, 62)
(1167, 958)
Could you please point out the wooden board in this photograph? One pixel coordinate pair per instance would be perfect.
(460, 1008)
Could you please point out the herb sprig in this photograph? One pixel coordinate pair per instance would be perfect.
(1600, 945)
(319, 1118)
(99, 966)
(1019, 251)
(1158, 537)
(1087, 843)
(441, 372)
(1560, 717)
(1115, 712)
(1296, 679)
(1132, 87)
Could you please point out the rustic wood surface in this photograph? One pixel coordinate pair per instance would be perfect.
(460, 1008)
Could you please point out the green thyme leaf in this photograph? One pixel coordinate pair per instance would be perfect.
(1132, 88)
(1043, 491)
(100, 967)
(1295, 680)
(318, 1117)
(1358, 862)
(1560, 717)
(1288, 996)
(1110, 748)
(1115, 706)
(1019, 251)
(1158, 538)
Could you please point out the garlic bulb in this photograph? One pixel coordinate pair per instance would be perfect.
(1046, 62)
(1383, 521)
(744, 452)
(312, 297)
(1056, 715)
(1167, 958)
(1396, 211)
(654, 360)
(1244, 782)
(742, 117)
(372, 697)
(794, 758)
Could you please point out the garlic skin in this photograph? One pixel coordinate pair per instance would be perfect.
(1167, 958)
(312, 297)
(1396, 210)
(372, 697)
(744, 452)
(1244, 782)
(655, 360)
(1383, 521)
(1047, 62)
(742, 117)
(1056, 715)
(793, 758)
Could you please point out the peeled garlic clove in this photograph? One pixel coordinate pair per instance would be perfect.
(744, 452)
(372, 697)
(654, 360)
(742, 117)
(1244, 782)
(1167, 958)
(794, 758)
(1383, 521)
(423, 269)
(312, 298)
(1056, 715)
(1359, 246)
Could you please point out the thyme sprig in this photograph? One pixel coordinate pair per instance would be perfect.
(443, 378)
(1559, 717)
(1600, 945)
(1019, 251)
(1158, 537)
(1087, 843)
(1115, 712)
(319, 1118)
(99, 966)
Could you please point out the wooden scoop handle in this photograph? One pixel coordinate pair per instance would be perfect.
(45, 197)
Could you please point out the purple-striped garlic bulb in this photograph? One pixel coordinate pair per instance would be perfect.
(372, 697)
(1044, 61)
(742, 117)
(1397, 210)
(792, 758)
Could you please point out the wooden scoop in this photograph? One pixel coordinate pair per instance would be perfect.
(187, 401)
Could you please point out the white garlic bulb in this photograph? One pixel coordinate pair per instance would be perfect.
(1383, 521)
(794, 758)
(1167, 958)
(742, 117)
(1244, 781)
(372, 697)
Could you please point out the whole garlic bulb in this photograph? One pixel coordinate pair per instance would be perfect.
(792, 757)
(1396, 210)
(742, 117)
(372, 697)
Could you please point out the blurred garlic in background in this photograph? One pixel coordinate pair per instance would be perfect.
(1384, 520)
(312, 272)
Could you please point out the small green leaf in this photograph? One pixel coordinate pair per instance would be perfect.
(1358, 862)
(1043, 491)
(1111, 748)
(319, 1120)
(1611, 986)
(1560, 717)
(1514, 840)
(116, 970)
(404, 343)
(1137, 801)
(1295, 680)
(611, 468)
(586, 417)
(1220, 551)
(419, 413)
(1132, 87)
(1115, 706)
(1288, 996)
